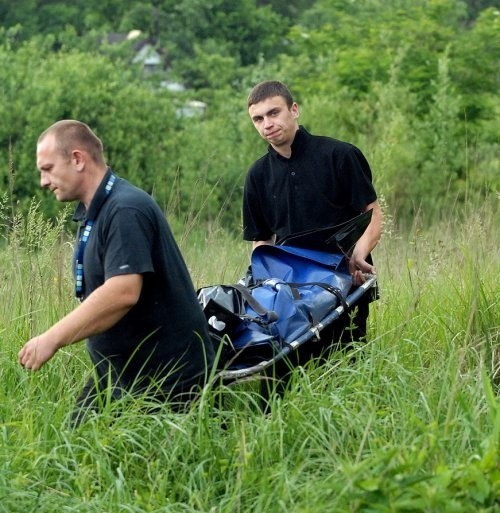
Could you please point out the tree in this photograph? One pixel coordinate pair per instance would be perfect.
(41, 87)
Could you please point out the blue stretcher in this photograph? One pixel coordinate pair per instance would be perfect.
(293, 295)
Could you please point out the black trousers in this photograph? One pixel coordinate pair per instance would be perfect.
(98, 391)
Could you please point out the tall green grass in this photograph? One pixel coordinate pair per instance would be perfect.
(412, 425)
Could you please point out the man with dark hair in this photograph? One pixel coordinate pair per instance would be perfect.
(306, 182)
(138, 310)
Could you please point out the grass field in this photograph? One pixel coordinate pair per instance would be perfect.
(412, 425)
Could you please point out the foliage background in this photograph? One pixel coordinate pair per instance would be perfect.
(406, 423)
(413, 83)
(413, 424)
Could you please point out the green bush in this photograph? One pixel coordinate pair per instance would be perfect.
(413, 84)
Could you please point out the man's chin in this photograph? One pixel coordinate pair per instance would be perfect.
(276, 141)
(273, 137)
(62, 198)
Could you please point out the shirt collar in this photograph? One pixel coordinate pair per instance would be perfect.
(299, 142)
(100, 196)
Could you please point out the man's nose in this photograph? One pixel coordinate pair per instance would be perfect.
(44, 181)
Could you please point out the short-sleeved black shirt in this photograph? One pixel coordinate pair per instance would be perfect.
(325, 182)
(165, 334)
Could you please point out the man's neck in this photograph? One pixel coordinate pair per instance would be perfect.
(94, 179)
(285, 150)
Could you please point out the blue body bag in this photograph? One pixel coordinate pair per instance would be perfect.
(293, 290)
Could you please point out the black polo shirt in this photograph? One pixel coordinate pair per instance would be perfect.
(165, 334)
(325, 182)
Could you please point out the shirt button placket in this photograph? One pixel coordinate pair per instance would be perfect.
(293, 178)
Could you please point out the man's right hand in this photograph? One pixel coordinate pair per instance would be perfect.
(36, 352)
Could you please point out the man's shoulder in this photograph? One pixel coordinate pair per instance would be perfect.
(260, 164)
(126, 197)
(331, 142)
(129, 195)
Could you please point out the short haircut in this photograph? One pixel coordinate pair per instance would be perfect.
(268, 89)
(70, 134)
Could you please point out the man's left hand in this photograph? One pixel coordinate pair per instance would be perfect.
(358, 268)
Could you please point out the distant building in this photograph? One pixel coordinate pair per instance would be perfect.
(145, 50)
(152, 59)
(191, 109)
(149, 57)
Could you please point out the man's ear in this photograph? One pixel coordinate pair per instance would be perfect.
(294, 109)
(78, 158)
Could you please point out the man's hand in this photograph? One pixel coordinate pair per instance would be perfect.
(358, 267)
(101, 310)
(36, 352)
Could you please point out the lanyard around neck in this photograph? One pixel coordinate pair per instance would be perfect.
(83, 238)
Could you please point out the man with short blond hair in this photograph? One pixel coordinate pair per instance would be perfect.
(69, 133)
(139, 312)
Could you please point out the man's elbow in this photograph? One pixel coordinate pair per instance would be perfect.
(269, 242)
(379, 218)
